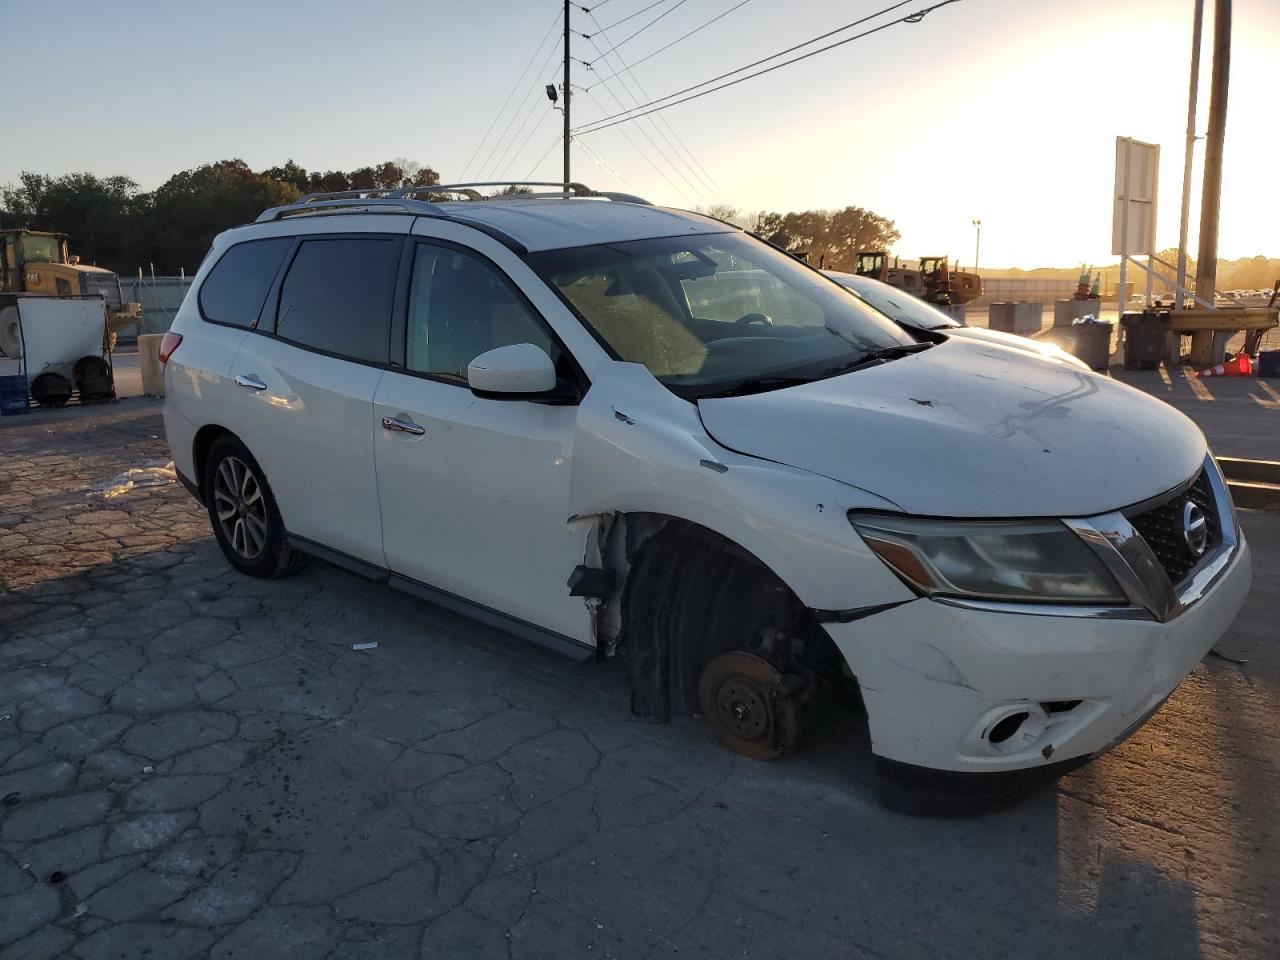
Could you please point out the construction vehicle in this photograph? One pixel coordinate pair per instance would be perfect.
(933, 281)
(35, 263)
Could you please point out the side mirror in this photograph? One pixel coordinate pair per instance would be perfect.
(520, 371)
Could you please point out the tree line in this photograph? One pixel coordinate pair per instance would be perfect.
(829, 239)
(114, 224)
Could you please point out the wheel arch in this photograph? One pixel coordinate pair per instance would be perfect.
(201, 444)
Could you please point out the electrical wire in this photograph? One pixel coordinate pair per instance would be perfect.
(631, 15)
(638, 149)
(632, 36)
(536, 50)
(545, 153)
(670, 154)
(601, 162)
(740, 3)
(525, 105)
(689, 159)
(520, 149)
(653, 105)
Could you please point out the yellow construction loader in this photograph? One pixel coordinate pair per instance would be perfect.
(35, 263)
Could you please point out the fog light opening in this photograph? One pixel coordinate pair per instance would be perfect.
(1006, 727)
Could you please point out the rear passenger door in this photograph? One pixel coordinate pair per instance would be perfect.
(306, 378)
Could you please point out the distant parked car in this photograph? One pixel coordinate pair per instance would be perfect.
(624, 431)
(914, 314)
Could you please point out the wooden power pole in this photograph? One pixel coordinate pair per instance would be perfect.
(1211, 197)
(568, 97)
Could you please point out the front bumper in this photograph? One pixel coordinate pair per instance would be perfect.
(938, 679)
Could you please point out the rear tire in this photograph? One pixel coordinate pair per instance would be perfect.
(243, 513)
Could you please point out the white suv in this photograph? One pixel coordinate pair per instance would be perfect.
(616, 429)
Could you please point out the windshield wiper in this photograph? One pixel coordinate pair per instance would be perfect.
(879, 355)
(755, 385)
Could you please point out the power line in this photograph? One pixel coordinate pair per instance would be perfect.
(668, 154)
(632, 36)
(551, 146)
(909, 18)
(524, 143)
(514, 88)
(524, 106)
(692, 162)
(740, 3)
(638, 149)
(630, 15)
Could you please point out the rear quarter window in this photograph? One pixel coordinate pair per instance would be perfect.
(239, 282)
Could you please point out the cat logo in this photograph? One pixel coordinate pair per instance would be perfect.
(33, 278)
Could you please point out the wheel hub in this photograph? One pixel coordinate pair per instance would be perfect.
(738, 696)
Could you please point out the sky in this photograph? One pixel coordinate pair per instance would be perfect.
(1004, 111)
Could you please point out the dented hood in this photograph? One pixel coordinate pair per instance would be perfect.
(967, 429)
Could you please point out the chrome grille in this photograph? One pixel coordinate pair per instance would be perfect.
(1161, 527)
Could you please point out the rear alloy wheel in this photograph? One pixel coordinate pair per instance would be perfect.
(240, 508)
(243, 512)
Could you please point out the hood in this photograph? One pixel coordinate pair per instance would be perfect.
(969, 429)
(1042, 348)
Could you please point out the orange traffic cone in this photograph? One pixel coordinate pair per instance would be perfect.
(1238, 366)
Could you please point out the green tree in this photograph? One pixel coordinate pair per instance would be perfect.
(194, 206)
(829, 238)
(103, 217)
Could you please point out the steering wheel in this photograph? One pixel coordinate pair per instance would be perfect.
(751, 318)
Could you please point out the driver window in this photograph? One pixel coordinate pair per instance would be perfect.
(460, 307)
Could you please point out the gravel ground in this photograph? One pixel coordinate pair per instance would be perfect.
(194, 763)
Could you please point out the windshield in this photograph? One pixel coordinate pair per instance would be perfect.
(902, 307)
(40, 249)
(711, 312)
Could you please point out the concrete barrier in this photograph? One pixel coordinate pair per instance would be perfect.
(1016, 316)
(149, 364)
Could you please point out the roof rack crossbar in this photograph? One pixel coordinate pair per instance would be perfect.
(405, 198)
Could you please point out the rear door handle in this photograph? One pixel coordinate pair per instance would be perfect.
(402, 426)
(250, 382)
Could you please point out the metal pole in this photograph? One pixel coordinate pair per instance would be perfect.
(1211, 197)
(977, 243)
(567, 96)
(1124, 230)
(1196, 30)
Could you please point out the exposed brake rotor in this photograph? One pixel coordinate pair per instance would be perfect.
(741, 696)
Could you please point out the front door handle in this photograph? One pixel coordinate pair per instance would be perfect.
(402, 426)
(250, 382)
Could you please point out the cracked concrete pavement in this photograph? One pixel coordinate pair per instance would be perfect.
(197, 764)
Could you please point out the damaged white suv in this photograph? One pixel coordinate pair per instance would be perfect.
(616, 429)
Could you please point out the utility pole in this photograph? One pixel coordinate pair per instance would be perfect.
(567, 96)
(1196, 30)
(977, 242)
(1211, 197)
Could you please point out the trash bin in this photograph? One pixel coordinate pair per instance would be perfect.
(1144, 339)
(13, 396)
(1093, 343)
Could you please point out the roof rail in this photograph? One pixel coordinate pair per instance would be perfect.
(405, 199)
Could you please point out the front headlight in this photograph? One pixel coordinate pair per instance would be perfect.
(1026, 561)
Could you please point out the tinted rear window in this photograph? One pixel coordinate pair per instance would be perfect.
(238, 284)
(337, 297)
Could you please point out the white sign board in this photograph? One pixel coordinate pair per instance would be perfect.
(56, 333)
(1133, 220)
